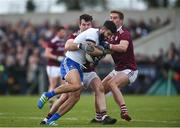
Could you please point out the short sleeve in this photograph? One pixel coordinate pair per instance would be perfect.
(125, 36)
(90, 34)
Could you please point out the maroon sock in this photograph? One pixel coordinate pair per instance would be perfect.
(124, 108)
(99, 115)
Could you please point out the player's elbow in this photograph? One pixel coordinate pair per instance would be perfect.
(70, 47)
(66, 47)
(120, 49)
(68, 44)
(123, 46)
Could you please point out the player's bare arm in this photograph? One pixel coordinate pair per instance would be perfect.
(70, 45)
(49, 55)
(121, 47)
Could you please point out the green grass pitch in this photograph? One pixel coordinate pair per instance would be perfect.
(146, 111)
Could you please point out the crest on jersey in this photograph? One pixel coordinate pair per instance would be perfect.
(121, 31)
(116, 38)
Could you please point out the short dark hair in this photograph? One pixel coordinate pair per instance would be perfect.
(121, 15)
(85, 17)
(110, 25)
(60, 28)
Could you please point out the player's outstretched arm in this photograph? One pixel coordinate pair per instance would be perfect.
(49, 55)
(121, 47)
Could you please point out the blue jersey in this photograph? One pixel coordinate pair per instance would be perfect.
(90, 34)
(76, 59)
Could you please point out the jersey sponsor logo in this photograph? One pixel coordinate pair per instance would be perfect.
(121, 31)
(116, 38)
(55, 39)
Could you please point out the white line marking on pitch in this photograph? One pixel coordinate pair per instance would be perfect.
(156, 121)
(74, 118)
(37, 118)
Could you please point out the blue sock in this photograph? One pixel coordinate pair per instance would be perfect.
(54, 117)
(50, 94)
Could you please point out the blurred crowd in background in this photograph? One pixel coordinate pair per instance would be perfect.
(23, 66)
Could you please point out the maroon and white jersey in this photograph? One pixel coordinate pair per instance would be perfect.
(124, 60)
(57, 45)
(89, 66)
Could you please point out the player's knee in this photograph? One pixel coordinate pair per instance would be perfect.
(113, 85)
(75, 97)
(106, 87)
(101, 88)
(76, 87)
(97, 88)
(64, 97)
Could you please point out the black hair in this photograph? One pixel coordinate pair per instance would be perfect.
(110, 25)
(85, 17)
(60, 28)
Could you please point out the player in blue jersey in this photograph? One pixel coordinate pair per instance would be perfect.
(71, 67)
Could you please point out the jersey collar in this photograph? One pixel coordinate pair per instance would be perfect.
(120, 28)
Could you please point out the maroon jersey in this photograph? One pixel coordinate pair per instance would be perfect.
(57, 46)
(124, 60)
(89, 67)
(74, 35)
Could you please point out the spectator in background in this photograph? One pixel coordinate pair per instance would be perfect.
(175, 64)
(54, 52)
(33, 71)
(14, 37)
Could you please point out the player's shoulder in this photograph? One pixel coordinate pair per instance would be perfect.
(123, 31)
(92, 32)
(93, 29)
(74, 35)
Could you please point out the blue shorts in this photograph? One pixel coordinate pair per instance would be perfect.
(68, 65)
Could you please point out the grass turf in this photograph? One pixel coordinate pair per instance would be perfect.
(152, 111)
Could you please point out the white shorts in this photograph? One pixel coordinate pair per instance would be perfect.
(88, 77)
(132, 75)
(53, 71)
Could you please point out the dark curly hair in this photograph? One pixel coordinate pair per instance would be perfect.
(85, 17)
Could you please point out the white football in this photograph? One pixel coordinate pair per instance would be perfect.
(89, 58)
